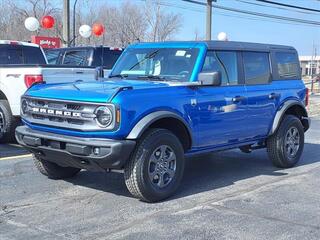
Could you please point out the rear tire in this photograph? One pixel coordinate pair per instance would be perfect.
(285, 146)
(52, 170)
(156, 167)
(8, 123)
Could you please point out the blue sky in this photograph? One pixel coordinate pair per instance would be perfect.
(240, 28)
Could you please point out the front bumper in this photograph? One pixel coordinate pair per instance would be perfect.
(67, 151)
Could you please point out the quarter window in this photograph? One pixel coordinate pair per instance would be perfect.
(288, 65)
(256, 67)
(224, 62)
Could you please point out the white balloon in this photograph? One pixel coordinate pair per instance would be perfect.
(85, 31)
(32, 24)
(222, 36)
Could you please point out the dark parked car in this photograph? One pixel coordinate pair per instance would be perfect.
(84, 56)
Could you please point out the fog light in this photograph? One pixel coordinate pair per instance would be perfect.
(96, 151)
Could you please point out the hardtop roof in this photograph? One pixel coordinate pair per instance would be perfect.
(219, 45)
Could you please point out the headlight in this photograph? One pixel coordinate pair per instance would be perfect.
(24, 106)
(104, 116)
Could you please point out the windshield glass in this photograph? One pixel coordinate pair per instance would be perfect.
(169, 64)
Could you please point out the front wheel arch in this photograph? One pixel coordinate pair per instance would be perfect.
(165, 120)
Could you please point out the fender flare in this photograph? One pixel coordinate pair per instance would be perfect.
(281, 111)
(147, 120)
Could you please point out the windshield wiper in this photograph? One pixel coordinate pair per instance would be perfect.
(118, 76)
(152, 77)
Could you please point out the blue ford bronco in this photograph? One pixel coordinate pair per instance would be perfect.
(163, 102)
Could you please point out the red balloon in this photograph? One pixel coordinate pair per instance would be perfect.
(97, 29)
(47, 22)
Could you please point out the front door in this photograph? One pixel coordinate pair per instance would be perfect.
(222, 110)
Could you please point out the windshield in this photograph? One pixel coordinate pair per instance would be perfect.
(169, 64)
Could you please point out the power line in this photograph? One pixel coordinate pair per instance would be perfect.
(299, 20)
(290, 6)
(234, 15)
(275, 7)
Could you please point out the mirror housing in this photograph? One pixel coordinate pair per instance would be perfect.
(210, 78)
(98, 73)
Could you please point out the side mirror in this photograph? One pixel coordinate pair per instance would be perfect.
(210, 78)
(98, 73)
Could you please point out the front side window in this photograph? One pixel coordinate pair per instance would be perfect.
(172, 64)
(256, 67)
(288, 65)
(224, 62)
(75, 58)
(52, 56)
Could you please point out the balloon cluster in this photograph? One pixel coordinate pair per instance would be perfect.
(47, 22)
(32, 24)
(86, 31)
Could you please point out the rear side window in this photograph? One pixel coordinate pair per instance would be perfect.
(224, 62)
(75, 58)
(287, 65)
(256, 67)
(11, 54)
(33, 55)
(52, 56)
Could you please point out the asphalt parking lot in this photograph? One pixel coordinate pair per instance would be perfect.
(226, 195)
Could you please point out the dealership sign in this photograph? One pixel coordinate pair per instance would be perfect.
(46, 42)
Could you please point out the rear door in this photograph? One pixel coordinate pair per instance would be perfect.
(262, 96)
(222, 110)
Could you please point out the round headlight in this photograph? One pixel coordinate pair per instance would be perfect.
(103, 116)
(24, 106)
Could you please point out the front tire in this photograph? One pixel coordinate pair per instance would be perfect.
(285, 146)
(52, 170)
(8, 123)
(156, 167)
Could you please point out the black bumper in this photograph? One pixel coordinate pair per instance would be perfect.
(67, 151)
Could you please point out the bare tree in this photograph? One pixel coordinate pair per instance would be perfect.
(162, 25)
(125, 24)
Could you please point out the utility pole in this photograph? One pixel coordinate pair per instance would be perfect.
(209, 20)
(66, 22)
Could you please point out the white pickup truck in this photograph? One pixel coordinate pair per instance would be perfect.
(21, 65)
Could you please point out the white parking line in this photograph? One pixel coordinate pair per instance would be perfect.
(16, 157)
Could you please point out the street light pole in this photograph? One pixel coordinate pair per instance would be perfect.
(209, 20)
(74, 24)
(66, 22)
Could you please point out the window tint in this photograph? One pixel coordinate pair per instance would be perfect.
(52, 56)
(110, 57)
(288, 65)
(11, 54)
(256, 67)
(75, 58)
(225, 62)
(33, 55)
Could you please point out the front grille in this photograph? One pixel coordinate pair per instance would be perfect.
(60, 114)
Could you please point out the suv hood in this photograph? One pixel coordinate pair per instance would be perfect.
(88, 91)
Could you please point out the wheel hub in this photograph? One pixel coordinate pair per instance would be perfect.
(292, 142)
(162, 166)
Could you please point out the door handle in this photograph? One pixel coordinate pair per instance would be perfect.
(79, 72)
(274, 95)
(238, 99)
